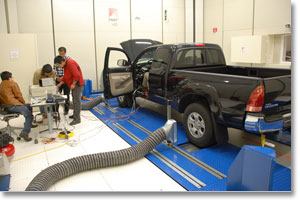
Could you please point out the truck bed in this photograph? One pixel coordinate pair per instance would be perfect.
(244, 71)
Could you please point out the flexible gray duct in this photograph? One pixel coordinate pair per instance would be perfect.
(92, 103)
(56, 172)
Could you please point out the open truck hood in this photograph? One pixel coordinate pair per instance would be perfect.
(134, 47)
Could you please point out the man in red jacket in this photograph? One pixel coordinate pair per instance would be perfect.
(73, 78)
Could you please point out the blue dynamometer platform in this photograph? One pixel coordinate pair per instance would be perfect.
(197, 170)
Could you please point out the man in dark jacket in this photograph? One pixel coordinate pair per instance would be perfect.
(62, 51)
(73, 78)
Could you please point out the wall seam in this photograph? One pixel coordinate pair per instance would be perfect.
(162, 21)
(95, 44)
(185, 21)
(223, 29)
(253, 17)
(194, 20)
(7, 16)
(130, 19)
(53, 32)
(203, 21)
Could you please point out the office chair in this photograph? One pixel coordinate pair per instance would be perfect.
(6, 116)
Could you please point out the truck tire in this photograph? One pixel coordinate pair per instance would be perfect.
(125, 101)
(198, 125)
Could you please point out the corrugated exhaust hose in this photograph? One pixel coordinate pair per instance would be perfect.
(61, 170)
(92, 103)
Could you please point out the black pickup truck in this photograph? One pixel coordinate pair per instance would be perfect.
(196, 81)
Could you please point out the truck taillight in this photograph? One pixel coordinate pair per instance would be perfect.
(256, 100)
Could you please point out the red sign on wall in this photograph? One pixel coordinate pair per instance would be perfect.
(215, 30)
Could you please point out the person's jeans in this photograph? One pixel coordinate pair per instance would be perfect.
(66, 90)
(26, 111)
(76, 94)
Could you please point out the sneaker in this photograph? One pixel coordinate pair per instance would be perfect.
(34, 125)
(71, 116)
(74, 122)
(25, 137)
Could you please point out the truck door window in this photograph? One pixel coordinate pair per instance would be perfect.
(114, 56)
(190, 57)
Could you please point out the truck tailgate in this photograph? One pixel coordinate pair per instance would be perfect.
(277, 101)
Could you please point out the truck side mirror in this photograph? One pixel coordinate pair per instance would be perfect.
(122, 62)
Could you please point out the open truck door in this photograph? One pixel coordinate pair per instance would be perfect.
(117, 73)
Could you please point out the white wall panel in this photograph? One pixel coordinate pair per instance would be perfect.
(173, 25)
(38, 21)
(238, 15)
(272, 16)
(74, 29)
(146, 19)
(112, 19)
(34, 16)
(213, 18)
(24, 64)
(249, 17)
(3, 27)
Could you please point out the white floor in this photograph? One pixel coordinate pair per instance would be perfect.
(90, 136)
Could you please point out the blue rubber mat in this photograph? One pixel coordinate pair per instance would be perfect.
(202, 170)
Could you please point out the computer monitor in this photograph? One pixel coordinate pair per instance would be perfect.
(46, 82)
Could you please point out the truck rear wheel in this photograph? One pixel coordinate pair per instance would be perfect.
(198, 125)
(125, 101)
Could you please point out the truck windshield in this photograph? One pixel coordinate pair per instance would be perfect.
(148, 55)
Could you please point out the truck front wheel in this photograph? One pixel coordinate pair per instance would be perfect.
(198, 125)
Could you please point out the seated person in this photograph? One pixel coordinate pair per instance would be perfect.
(10, 93)
(45, 72)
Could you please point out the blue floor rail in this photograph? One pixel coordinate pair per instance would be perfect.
(200, 170)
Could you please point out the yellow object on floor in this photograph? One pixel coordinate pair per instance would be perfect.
(63, 135)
